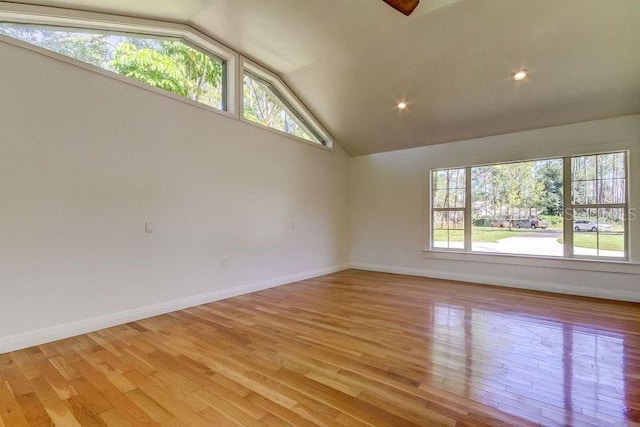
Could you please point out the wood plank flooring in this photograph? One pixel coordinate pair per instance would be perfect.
(349, 349)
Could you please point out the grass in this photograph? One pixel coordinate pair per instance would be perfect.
(608, 241)
(482, 234)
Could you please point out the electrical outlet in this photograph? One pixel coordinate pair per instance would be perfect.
(293, 225)
(225, 261)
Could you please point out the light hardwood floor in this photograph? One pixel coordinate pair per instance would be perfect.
(352, 348)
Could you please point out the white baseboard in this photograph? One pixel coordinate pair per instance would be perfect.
(520, 284)
(41, 336)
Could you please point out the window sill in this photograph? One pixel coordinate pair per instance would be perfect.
(287, 135)
(608, 266)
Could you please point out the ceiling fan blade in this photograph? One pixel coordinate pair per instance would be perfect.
(404, 6)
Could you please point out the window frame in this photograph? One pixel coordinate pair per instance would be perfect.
(569, 254)
(68, 19)
(131, 34)
(287, 97)
(570, 206)
(464, 209)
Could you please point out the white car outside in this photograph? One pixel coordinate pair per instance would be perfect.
(586, 225)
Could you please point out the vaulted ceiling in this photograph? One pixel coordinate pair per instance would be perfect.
(351, 61)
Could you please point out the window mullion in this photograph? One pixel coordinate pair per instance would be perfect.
(600, 206)
(468, 221)
(626, 206)
(569, 210)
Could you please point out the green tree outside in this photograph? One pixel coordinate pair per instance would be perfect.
(174, 67)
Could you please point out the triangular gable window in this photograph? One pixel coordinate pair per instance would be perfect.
(266, 105)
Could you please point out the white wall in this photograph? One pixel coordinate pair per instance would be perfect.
(389, 215)
(85, 160)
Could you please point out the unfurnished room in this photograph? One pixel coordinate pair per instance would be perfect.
(320, 213)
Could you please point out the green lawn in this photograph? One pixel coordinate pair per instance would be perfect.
(608, 241)
(482, 234)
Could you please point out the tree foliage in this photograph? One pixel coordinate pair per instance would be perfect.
(172, 66)
(550, 175)
(87, 47)
(507, 191)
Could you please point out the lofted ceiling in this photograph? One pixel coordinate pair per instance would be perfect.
(351, 61)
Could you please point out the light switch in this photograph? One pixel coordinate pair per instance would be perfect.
(148, 227)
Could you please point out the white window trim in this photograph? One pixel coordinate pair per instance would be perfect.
(276, 81)
(568, 261)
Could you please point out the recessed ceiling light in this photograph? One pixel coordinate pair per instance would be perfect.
(520, 74)
(402, 105)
